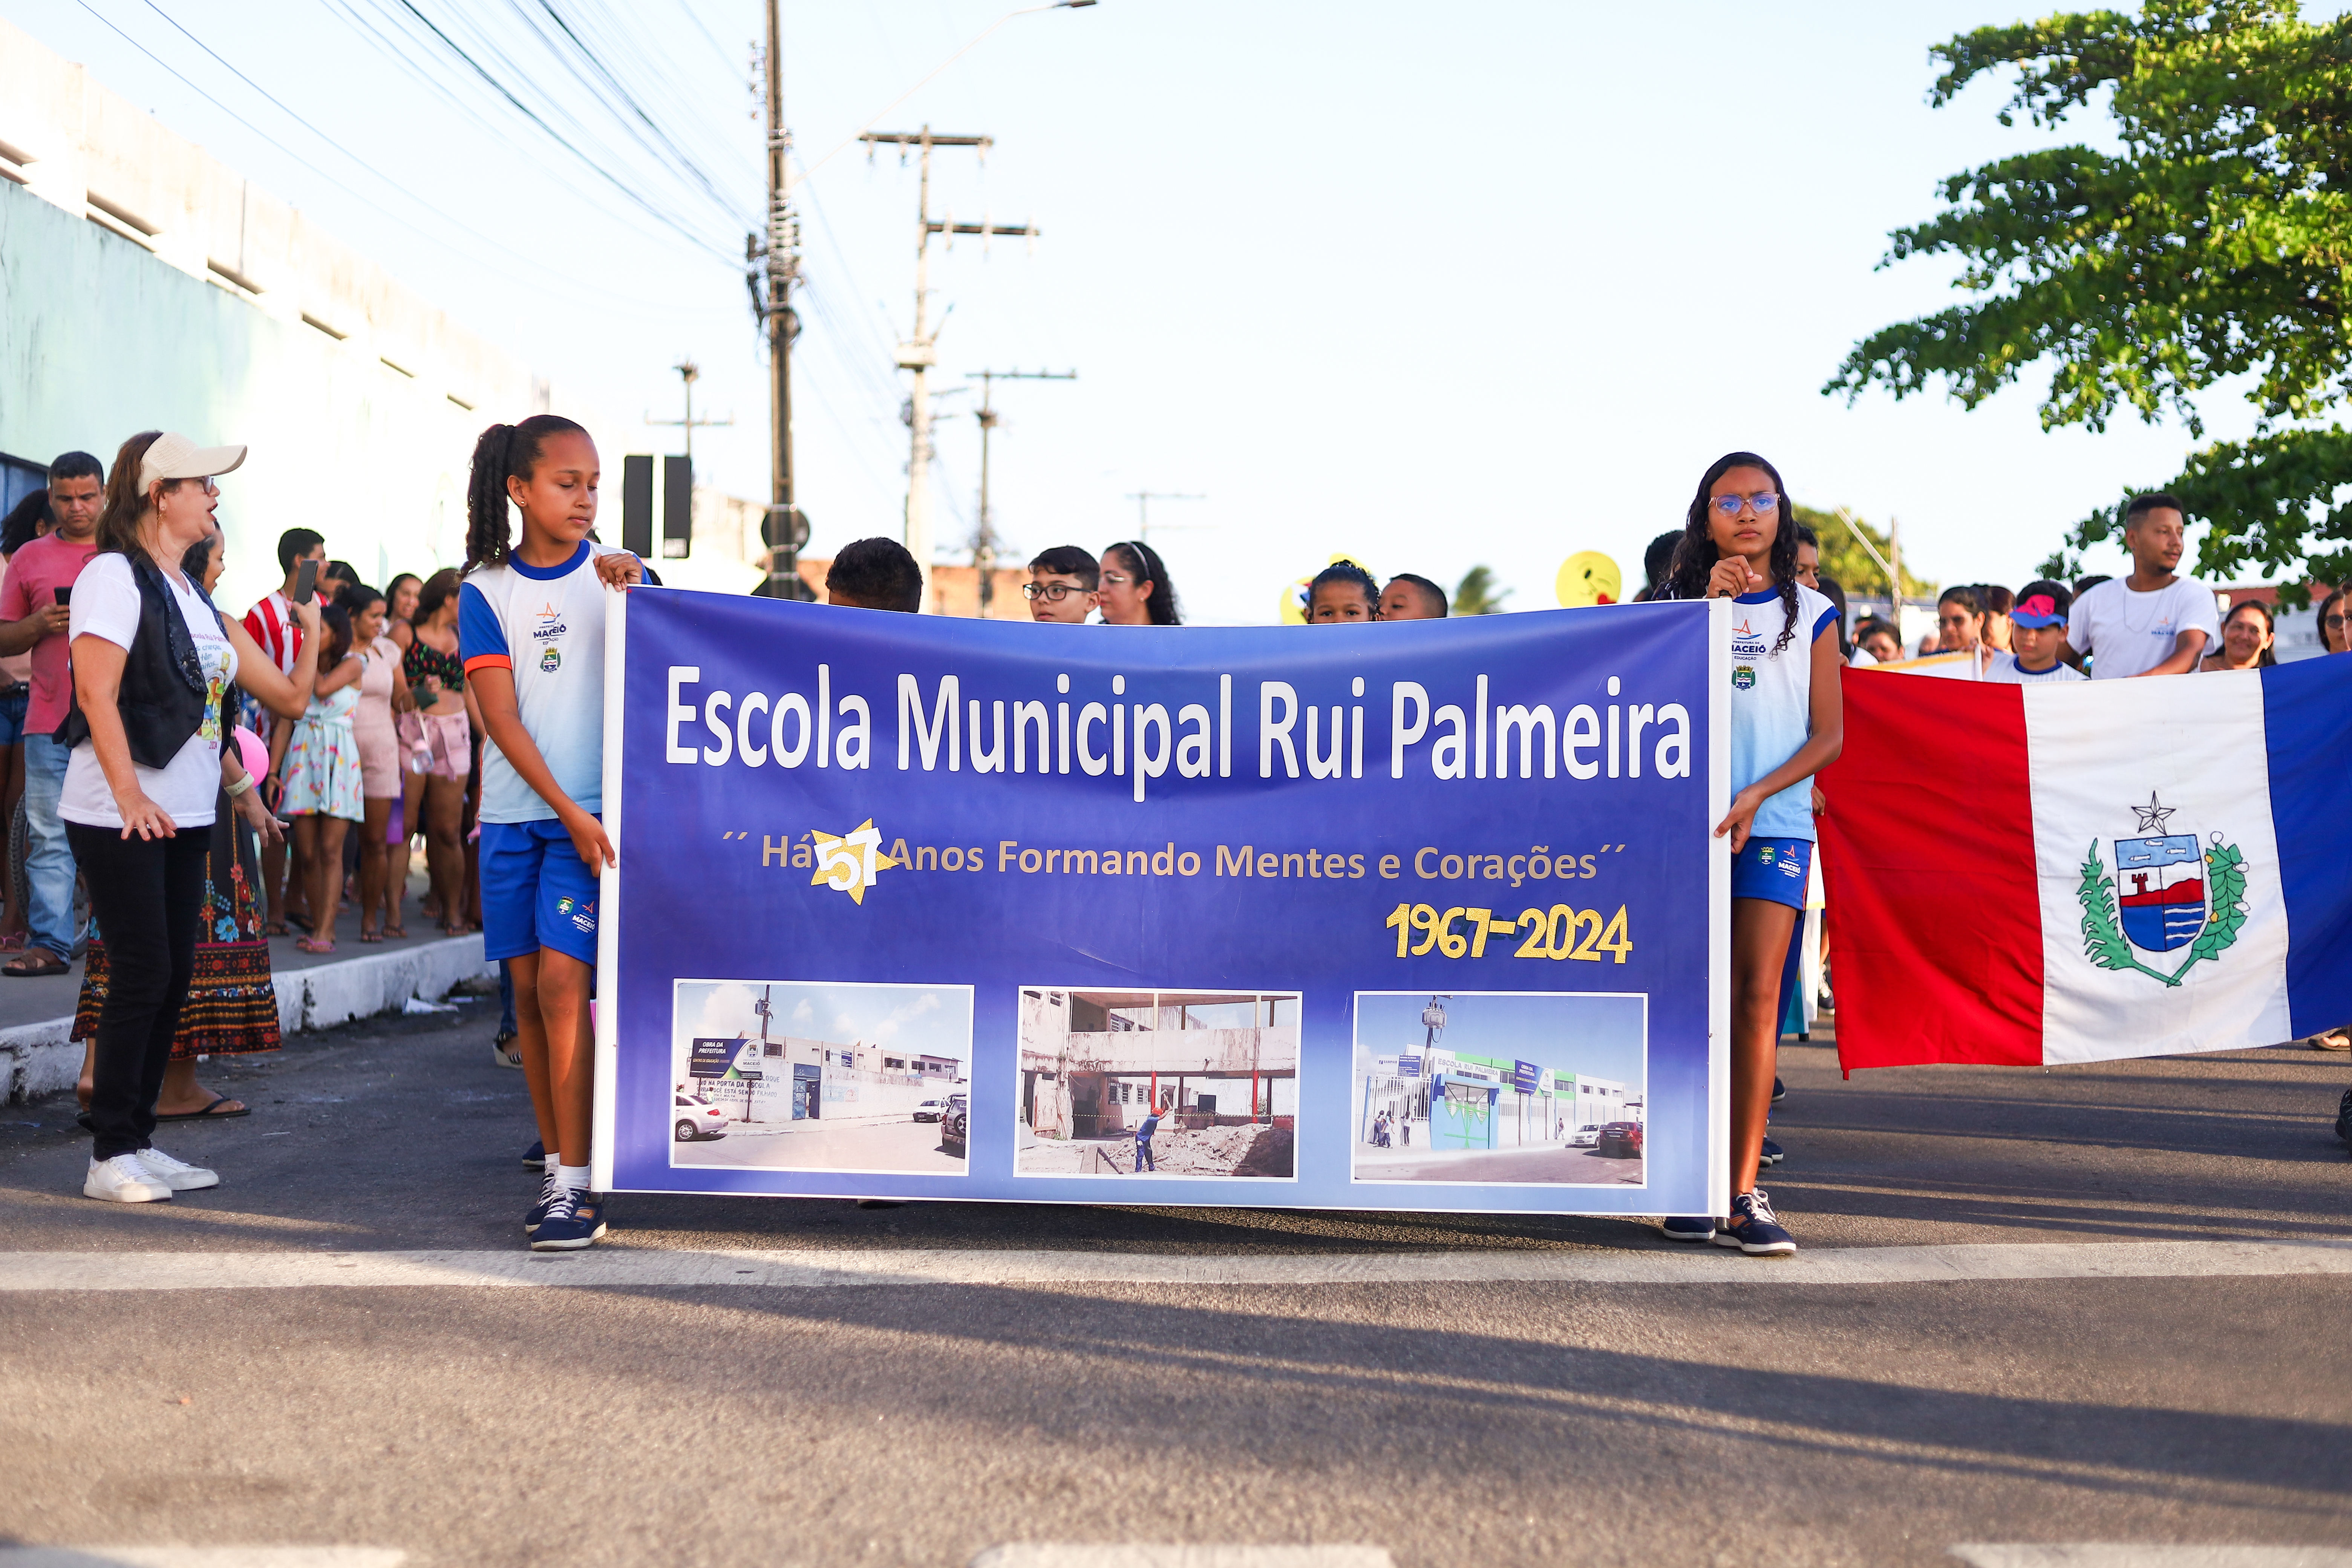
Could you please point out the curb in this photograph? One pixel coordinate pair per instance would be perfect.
(39, 1058)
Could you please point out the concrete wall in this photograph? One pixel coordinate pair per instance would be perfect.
(144, 285)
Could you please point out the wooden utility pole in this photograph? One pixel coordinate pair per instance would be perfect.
(774, 267)
(919, 351)
(984, 539)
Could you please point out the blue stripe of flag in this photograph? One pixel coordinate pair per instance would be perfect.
(2307, 730)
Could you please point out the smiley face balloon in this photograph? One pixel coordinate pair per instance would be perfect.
(1586, 578)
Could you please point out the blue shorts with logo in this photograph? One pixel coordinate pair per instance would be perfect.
(536, 892)
(1774, 868)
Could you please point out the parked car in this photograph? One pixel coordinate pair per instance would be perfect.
(696, 1117)
(1619, 1141)
(1586, 1136)
(955, 1124)
(930, 1110)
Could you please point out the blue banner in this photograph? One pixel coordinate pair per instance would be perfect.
(1371, 917)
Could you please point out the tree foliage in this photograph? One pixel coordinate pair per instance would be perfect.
(2213, 247)
(1476, 594)
(1844, 559)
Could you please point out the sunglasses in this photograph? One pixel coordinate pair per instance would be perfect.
(1052, 592)
(1762, 500)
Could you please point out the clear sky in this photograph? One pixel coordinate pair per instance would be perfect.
(1434, 285)
(934, 1020)
(1598, 1036)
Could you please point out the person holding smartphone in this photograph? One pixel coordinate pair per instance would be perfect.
(273, 627)
(35, 605)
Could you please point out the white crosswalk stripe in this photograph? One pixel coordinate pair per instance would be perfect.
(2144, 1554)
(623, 1268)
(200, 1557)
(1134, 1554)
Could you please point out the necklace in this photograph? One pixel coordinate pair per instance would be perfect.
(2154, 615)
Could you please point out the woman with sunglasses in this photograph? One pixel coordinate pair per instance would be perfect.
(1134, 589)
(2334, 635)
(1786, 721)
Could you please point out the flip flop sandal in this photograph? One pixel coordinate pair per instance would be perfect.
(399, 931)
(371, 936)
(211, 1112)
(277, 928)
(33, 964)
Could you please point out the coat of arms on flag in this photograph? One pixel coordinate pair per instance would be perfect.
(2167, 892)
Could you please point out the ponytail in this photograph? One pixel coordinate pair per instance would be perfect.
(503, 452)
(118, 519)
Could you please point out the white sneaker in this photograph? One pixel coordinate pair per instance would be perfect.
(181, 1176)
(124, 1180)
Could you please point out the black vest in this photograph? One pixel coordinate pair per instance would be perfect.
(162, 699)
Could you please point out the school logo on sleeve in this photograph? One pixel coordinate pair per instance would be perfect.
(850, 861)
(2167, 892)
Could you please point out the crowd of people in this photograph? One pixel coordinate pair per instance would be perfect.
(209, 781)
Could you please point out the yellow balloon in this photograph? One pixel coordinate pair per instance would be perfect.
(1293, 604)
(1588, 577)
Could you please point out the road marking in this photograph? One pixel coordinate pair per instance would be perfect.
(2135, 1554)
(1135, 1554)
(199, 1557)
(622, 1267)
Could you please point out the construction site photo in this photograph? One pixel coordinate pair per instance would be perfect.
(1183, 1084)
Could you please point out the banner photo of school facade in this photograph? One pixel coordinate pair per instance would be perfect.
(1422, 916)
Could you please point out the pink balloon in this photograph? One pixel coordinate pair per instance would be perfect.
(251, 752)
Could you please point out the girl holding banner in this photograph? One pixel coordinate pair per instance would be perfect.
(1786, 720)
(531, 629)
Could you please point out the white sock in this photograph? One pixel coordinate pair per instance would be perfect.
(573, 1176)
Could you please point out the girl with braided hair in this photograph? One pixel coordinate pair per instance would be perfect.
(530, 630)
(1740, 543)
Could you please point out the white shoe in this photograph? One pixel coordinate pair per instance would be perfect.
(124, 1180)
(181, 1176)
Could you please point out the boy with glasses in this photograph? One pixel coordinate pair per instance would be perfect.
(1062, 583)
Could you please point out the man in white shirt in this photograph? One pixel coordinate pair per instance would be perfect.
(2152, 622)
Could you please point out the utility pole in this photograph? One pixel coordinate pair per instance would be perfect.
(1143, 499)
(773, 267)
(983, 539)
(919, 351)
(689, 373)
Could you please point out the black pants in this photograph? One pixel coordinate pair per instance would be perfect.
(145, 895)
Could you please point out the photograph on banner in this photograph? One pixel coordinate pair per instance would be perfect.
(1501, 1088)
(1170, 1083)
(786, 1075)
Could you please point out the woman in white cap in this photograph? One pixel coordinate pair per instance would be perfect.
(152, 664)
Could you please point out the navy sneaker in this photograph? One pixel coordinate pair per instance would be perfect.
(576, 1218)
(1779, 1089)
(535, 1157)
(1754, 1228)
(1699, 1229)
(1771, 1153)
(532, 1216)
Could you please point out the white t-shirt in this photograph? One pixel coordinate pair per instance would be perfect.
(545, 625)
(2124, 633)
(2005, 669)
(1771, 701)
(106, 605)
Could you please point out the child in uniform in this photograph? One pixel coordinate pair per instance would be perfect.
(531, 629)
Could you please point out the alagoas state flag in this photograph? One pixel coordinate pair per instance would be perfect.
(2082, 871)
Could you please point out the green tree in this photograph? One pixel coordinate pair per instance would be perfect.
(1476, 594)
(2213, 246)
(1843, 558)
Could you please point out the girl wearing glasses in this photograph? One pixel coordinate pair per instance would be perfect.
(1740, 543)
(1134, 587)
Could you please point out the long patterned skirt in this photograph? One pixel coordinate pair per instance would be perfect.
(232, 1008)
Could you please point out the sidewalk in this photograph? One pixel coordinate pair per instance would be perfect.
(314, 989)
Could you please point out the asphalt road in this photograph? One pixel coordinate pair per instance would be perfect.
(1489, 1422)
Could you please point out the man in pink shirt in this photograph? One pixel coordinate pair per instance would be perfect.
(33, 615)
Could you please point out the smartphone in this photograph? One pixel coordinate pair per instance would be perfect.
(65, 593)
(306, 582)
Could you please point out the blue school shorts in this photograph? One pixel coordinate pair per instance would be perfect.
(536, 892)
(1774, 868)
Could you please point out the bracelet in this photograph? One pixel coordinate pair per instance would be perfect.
(238, 788)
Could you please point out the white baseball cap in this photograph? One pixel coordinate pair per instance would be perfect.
(174, 457)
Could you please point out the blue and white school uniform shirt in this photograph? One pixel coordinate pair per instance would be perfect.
(1771, 702)
(546, 624)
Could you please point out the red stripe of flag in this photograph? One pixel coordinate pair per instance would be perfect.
(1935, 916)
